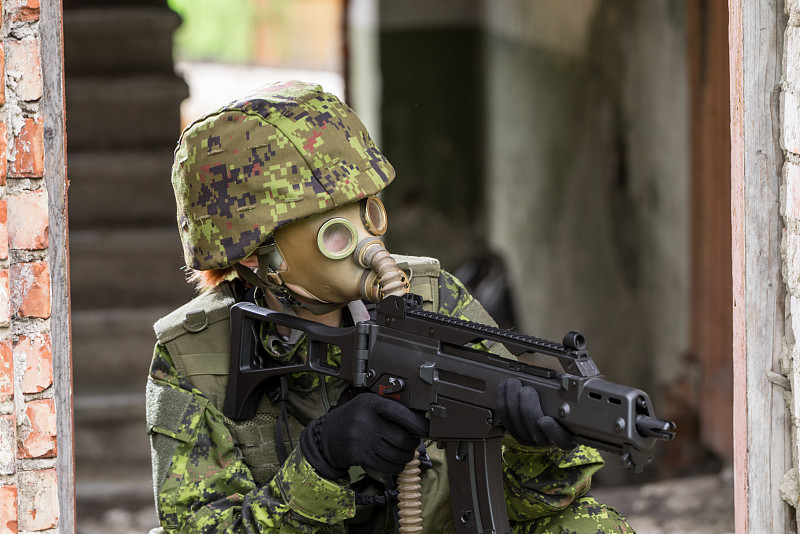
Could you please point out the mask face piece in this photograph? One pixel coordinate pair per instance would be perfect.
(318, 253)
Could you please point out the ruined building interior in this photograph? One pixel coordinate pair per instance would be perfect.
(545, 153)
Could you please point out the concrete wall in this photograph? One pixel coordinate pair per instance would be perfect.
(587, 176)
(555, 134)
(432, 126)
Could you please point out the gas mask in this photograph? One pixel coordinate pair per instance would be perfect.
(337, 257)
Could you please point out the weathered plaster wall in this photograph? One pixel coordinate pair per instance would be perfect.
(32, 396)
(790, 210)
(588, 164)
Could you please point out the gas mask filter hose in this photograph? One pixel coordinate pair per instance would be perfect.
(371, 254)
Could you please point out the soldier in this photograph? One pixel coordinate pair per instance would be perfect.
(276, 199)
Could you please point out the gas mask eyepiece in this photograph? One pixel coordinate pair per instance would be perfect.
(373, 215)
(337, 238)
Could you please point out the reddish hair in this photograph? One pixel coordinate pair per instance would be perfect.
(205, 280)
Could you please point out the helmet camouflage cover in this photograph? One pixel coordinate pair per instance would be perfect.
(285, 152)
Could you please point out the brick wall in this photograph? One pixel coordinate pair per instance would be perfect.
(28, 398)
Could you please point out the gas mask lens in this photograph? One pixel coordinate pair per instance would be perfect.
(337, 238)
(373, 215)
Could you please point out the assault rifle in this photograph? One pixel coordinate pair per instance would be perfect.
(424, 360)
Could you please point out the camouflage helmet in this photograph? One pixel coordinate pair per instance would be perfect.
(285, 152)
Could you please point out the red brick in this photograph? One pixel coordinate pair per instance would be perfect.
(28, 220)
(5, 299)
(3, 152)
(28, 151)
(25, 57)
(23, 10)
(39, 362)
(3, 229)
(37, 438)
(8, 439)
(6, 371)
(38, 500)
(30, 289)
(8, 509)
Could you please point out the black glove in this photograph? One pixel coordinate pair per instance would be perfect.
(370, 431)
(521, 413)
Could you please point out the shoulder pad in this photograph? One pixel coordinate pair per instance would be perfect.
(418, 265)
(423, 277)
(207, 308)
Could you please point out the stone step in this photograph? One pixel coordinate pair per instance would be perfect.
(110, 430)
(120, 188)
(119, 39)
(112, 451)
(107, 112)
(118, 517)
(127, 268)
(111, 349)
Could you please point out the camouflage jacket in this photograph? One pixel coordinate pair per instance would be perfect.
(206, 482)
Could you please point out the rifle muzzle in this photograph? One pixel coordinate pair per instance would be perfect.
(653, 427)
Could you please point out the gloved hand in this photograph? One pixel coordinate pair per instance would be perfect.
(370, 431)
(521, 413)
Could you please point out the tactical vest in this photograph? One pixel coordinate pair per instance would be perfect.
(197, 337)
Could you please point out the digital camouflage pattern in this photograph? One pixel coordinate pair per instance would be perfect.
(209, 487)
(287, 151)
(551, 487)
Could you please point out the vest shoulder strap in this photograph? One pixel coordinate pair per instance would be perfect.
(204, 310)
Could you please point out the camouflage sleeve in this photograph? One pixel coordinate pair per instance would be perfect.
(538, 481)
(201, 483)
(542, 482)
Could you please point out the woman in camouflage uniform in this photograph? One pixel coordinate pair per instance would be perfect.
(249, 180)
